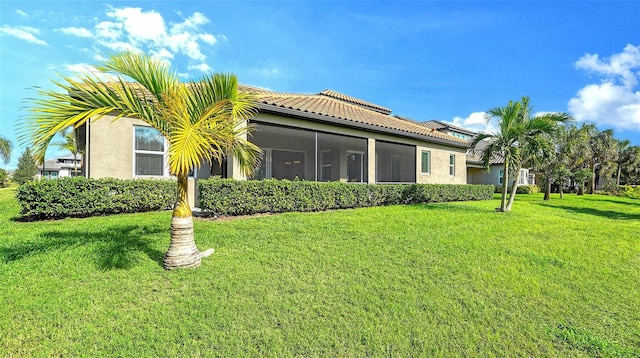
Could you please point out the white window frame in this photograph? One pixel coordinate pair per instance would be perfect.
(428, 153)
(165, 144)
(452, 165)
(501, 177)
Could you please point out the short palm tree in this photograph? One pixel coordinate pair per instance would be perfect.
(515, 141)
(202, 121)
(5, 149)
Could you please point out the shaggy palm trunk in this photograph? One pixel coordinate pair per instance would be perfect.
(183, 252)
(592, 182)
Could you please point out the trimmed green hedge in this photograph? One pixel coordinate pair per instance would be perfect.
(521, 189)
(232, 197)
(82, 197)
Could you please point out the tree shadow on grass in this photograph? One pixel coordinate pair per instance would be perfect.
(609, 214)
(115, 247)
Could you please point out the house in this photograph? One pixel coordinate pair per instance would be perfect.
(59, 168)
(327, 136)
(476, 173)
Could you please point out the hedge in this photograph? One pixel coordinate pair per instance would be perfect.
(521, 189)
(82, 197)
(232, 197)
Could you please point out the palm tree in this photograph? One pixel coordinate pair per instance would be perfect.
(202, 121)
(518, 131)
(5, 149)
(70, 144)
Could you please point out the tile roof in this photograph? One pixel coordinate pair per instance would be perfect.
(351, 110)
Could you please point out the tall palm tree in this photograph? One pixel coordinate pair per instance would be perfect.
(5, 149)
(202, 121)
(518, 130)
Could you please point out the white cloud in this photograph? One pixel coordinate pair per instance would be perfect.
(139, 26)
(76, 31)
(21, 13)
(23, 33)
(202, 67)
(132, 28)
(108, 30)
(615, 101)
(476, 121)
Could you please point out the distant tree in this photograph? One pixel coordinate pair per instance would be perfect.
(26, 169)
(602, 153)
(5, 149)
(69, 143)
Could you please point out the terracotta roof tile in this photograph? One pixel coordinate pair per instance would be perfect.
(335, 105)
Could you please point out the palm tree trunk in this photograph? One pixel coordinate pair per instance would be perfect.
(183, 252)
(514, 188)
(592, 182)
(618, 176)
(547, 188)
(505, 181)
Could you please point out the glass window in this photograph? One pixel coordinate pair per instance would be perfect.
(149, 152)
(395, 163)
(501, 177)
(452, 165)
(426, 162)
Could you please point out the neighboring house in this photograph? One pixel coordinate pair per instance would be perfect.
(450, 129)
(326, 136)
(477, 175)
(59, 168)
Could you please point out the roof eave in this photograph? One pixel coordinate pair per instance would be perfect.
(268, 108)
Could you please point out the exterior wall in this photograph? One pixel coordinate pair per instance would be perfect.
(479, 176)
(440, 153)
(439, 171)
(111, 148)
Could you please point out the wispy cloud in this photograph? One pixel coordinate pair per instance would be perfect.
(21, 13)
(76, 31)
(201, 67)
(615, 101)
(23, 33)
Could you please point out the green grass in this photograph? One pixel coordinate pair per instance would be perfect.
(556, 278)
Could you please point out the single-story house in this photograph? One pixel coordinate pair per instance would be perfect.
(59, 168)
(327, 136)
(477, 175)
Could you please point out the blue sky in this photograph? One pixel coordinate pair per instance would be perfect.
(425, 60)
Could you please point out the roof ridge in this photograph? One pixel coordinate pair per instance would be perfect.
(357, 101)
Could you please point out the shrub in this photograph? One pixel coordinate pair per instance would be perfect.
(232, 197)
(527, 189)
(82, 197)
(4, 178)
(629, 191)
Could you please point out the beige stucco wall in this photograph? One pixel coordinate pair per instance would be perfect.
(440, 165)
(111, 147)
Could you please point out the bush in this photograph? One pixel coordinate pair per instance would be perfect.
(82, 197)
(4, 178)
(232, 197)
(527, 189)
(521, 189)
(629, 191)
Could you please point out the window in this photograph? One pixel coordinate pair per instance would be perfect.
(452, 165)
(522, 180)
(426, 162)
(325, 169)
(501, 177)
(149, 152)
(395, 163)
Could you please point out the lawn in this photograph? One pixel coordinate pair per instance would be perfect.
(556, 278)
